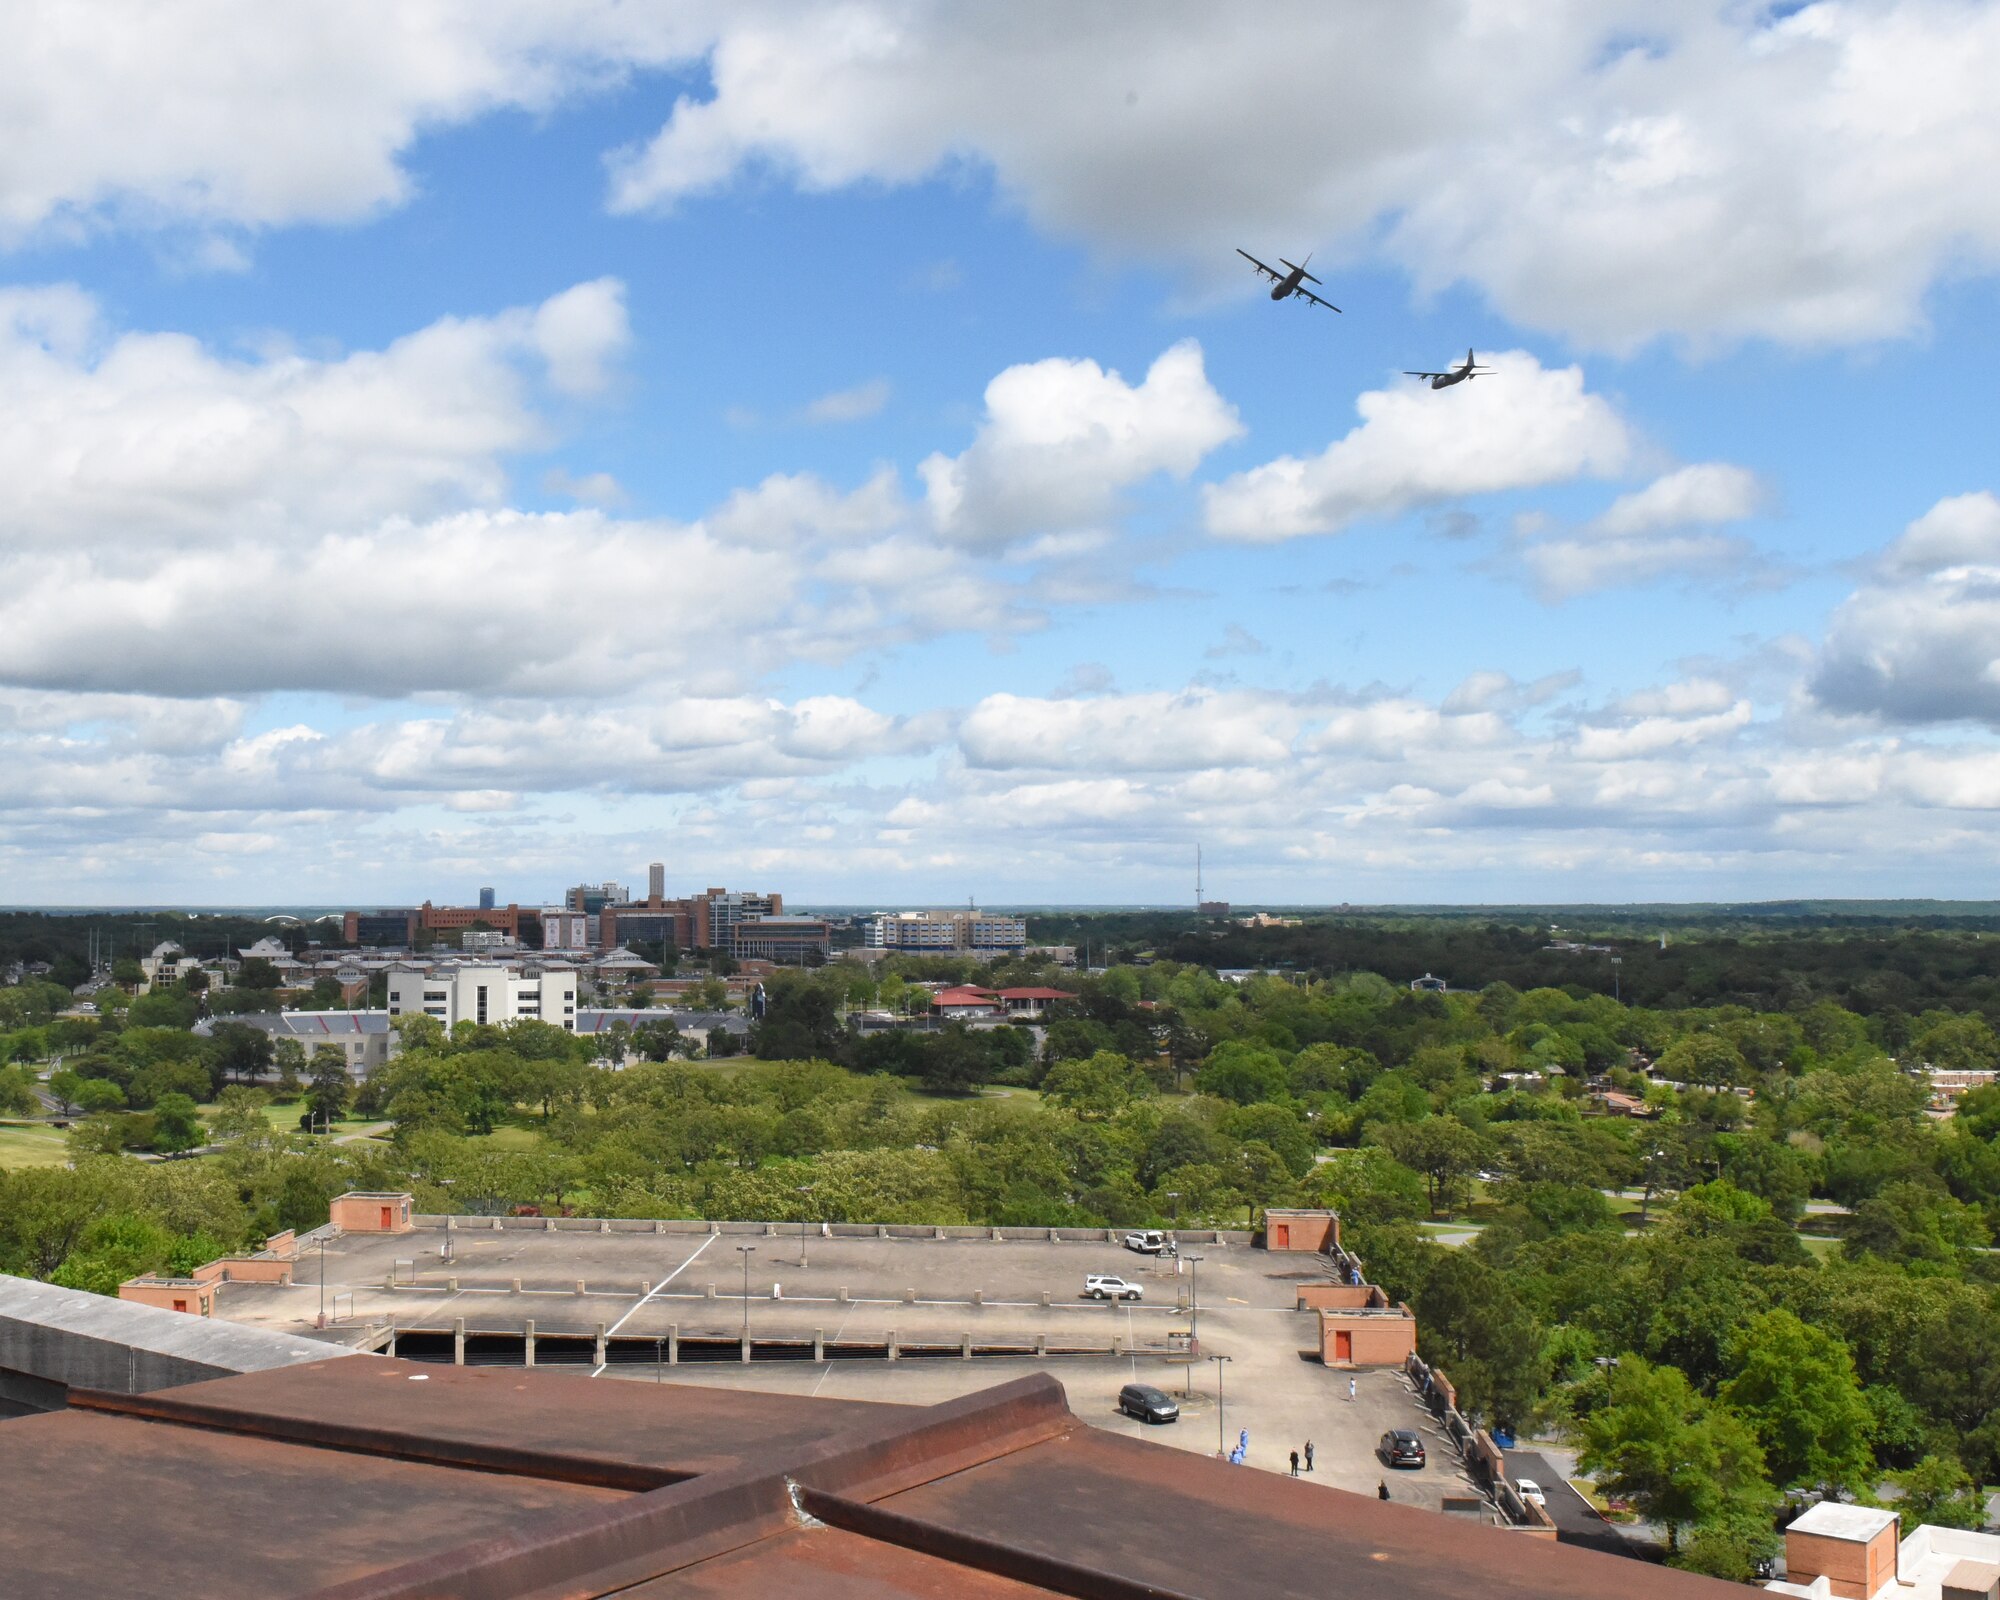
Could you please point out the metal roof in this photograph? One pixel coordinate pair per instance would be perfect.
(398, 1481)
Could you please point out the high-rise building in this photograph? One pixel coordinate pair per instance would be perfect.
(485, 899)
(656, 882)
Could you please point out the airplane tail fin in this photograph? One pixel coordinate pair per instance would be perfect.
(1300, 267)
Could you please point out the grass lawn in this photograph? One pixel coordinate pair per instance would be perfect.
(32, 1147)
(509, 1136)
(1821, 1248)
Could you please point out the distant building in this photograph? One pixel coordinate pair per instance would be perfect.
(563, 929)
(591, 898)
(485, 899)
(656, 882)
(1429, 985)
(967, 932)
(1212, 908)
(483, 993)
(364, 1038)
(790, 940)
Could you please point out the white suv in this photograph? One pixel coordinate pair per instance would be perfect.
(1148, 1242)
(1103, 1286)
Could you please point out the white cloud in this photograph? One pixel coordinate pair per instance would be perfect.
(580, 332)
(1612, 171)
(149, 437)
(228, 112)
(1128, 733)
(1649, 533)
(1919, 640)
(1523, 427)
(863, 401)
(479, 601)
(1703, 495)
(1062, 439)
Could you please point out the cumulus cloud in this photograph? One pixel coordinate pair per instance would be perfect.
(1062, 439)
(1664, 528)
(1524, 427)
(1613, 172)
(1919, 640)
(150, 437)
(230, 113)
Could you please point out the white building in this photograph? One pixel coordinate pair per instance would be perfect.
(493, 994)
(968, 932)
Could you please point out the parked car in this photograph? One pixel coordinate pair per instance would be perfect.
(1147, 1241)
(1103, 1286)
(1148, 1404)
(1530, 1491)
(1399, 1447)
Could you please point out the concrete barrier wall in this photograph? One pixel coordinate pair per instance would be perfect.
(825, 1230)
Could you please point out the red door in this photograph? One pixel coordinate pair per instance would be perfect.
(1343, 1345)
(388, 1221)
(1281, 1236)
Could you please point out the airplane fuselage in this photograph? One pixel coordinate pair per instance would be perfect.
(1444, 380)
(1287, 283)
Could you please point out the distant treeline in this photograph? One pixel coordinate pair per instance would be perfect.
(1875, 966)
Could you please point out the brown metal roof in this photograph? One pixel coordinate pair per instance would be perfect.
(367, 1479)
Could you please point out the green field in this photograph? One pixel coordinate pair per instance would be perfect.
(32, 1147)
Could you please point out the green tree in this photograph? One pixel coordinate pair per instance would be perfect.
(1796, 1387)
(1472, 1323)
(1244, 1073)
(1680, 1459)
(96, 1095)
(64, 1084)
(328, 1089)
(176, 1123)
(240, 1114)
(1096, 1088)
(1441, 1150)
(1938, 1491)
(1705, 1058)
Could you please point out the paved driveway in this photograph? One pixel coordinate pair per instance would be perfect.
(1577, 1520)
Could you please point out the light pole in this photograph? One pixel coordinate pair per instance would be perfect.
(1219, 1362)
(322, 1280)
(746, 1251)
(1194, 1312)
(805, 1197)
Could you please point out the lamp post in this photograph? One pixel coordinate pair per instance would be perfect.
(1219, 1362)
(322, 1280)
(1194, 1314)
(805, 1196)
(746, 1251)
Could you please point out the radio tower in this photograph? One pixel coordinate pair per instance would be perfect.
(1197, 880)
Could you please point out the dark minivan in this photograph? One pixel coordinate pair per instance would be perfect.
(1399, 1447)
(1148, 1404)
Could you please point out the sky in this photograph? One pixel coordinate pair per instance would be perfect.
(838, 450)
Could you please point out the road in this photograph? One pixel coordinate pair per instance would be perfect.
(1576, 1519)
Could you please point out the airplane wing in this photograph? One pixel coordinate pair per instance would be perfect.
(1425, 374)
(1274, 276)
(1303, 292)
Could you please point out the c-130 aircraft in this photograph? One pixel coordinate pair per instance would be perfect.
(1292, 282)
(1458, 374)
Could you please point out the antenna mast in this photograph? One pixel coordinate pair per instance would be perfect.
(1197, 880)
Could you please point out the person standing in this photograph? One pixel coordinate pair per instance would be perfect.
(1309, 1455)
(1295, 1463)
(1350, 1390)
(1381, 1490)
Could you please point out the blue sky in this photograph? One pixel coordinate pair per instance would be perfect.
(842, 453)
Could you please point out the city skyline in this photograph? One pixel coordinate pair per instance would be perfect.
(455, 449)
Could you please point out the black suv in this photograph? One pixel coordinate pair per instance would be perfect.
(1148, 1404)
(1400, 1448)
